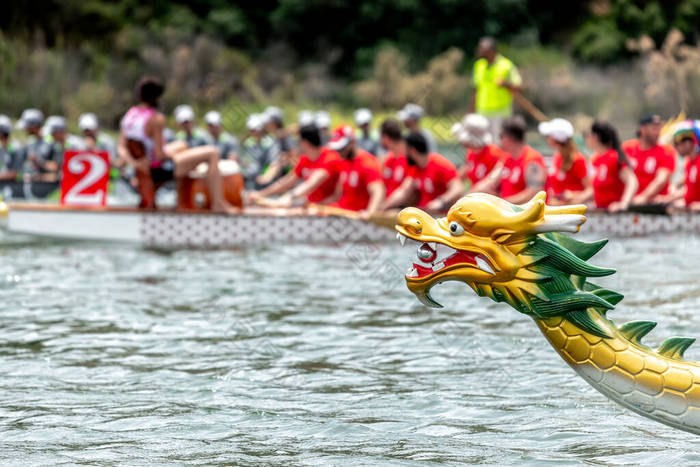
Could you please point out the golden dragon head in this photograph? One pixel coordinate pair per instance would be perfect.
(510, 253)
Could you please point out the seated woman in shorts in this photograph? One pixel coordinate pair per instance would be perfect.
(142, 146)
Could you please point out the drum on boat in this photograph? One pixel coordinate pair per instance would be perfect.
(194, 194)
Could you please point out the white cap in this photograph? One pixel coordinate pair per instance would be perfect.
(5, 124)
(33, 117)
(255, 122)
(88, 121)
(410, 112)
(274, 113)
(341, 137)
(322, 119)
(183, 113)
(559, 130)
(473, 130)
(54, 123)
(212, 118)
(306, 118)
(363, 116)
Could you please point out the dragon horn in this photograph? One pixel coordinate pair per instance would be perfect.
(571, 209)
(532, 211)
(553, 218)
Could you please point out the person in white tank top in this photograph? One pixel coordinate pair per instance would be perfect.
(141, 145)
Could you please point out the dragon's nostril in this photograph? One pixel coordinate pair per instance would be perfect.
(410, 220)
(413, 225)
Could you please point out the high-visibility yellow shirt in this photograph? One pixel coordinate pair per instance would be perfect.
(493, 100)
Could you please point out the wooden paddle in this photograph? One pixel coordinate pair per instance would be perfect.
(525, 103)
(380, 219)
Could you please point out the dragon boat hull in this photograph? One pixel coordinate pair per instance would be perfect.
(172, 229)
(175, 229)
(630, 224)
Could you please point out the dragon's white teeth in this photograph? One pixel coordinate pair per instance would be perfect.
(482, 264)
(439, 266)
(401, 237)
(443, 251)
(412, 272)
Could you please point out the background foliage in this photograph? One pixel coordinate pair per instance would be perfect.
(68, 56)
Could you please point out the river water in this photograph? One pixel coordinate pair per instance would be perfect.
(301, 355)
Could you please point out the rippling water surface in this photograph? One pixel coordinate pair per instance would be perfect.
(303, 355)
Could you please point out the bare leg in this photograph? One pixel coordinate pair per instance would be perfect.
(187, 160)
(174, 147)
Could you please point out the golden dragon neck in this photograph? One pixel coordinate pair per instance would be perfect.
(663, 388)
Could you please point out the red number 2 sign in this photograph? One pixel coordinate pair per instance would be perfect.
(85, 178)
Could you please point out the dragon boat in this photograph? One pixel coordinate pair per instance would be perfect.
(518, 255)
(175, 228)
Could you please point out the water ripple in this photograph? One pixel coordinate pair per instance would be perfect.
(303, 355)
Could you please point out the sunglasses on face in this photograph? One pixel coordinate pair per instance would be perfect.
(681, 141)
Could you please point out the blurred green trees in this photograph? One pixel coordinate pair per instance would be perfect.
(602, 37)
(70, 56)
(349, 31)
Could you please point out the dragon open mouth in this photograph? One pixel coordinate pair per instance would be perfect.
(435, 257)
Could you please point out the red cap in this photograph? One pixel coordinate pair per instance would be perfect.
(342, 135)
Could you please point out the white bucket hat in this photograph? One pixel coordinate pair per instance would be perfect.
(212, 118)
(323, 119)
(256, 122)
(88, 121)
(363, 116)
(559, 129)
(473, 130)
(183, 113)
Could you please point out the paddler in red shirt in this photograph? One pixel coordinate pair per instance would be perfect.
(431, 175)
(653, 163)
(524, 172)
(567, 180)
(483, 160)
(614, 182)
(360, 186)
(313, 169)
(685, 140)
(395, 163)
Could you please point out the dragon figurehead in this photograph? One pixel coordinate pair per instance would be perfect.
(517, 254)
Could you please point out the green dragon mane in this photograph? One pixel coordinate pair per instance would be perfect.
(553, 282)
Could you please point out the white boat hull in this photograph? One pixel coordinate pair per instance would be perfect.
(177, 229)
(170, 229)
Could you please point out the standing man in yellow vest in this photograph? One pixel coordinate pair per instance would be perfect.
(495, 80)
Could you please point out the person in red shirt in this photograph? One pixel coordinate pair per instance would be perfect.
(614, 182)
(431, 175)
(483, 160)
(524, 173)
(360, 186)
(687, 195)
(653, 163)
(395, 164)
(567, 180)
(313, 169)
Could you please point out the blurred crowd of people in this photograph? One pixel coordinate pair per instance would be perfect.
(367, 169)
(616, 175)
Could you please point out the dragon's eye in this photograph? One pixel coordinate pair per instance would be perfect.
(456, 229)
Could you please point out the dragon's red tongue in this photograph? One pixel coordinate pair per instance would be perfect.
(460, 257)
